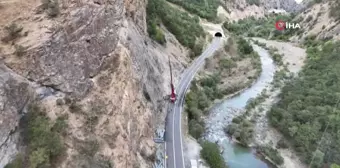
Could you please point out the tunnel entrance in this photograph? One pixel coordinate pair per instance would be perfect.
(218, 34)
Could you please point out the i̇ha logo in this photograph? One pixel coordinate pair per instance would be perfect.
(281, 25)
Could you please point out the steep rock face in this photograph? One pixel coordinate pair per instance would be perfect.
(15, 93)
(75, 53)
(241, 9)
(287, 5)
(100, 55)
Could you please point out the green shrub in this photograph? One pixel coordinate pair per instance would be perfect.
(244, 47)
(307, 106)
(282, 144)
(211, 154)
(273, 154)
(198, 48)
(12, 32)
(18, 162)
(185, 28)
(51, 6)
(241, 129)
(44, 143)
(19, 50)
(335, 9)
(318, 160)
(231, 129)
(309, 18)
(60, 125)
(202, 8)
(253, 2)
(262, 27)
(155, 32)
(227, 64)
(198, 100)
(196, 129)
(89, 147)
(335, 166)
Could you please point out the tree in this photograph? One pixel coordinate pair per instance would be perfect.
(43, 140)
(335, 166)
(309, 103)
(227, 64)
(244, 47)
(211, 154)
(39, 158)
(18, 162)
(282, 144)
(318, 159)
(195, 129)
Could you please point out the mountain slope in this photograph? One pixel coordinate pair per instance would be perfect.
(93, 62)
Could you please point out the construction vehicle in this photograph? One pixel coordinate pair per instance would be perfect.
(173, 96)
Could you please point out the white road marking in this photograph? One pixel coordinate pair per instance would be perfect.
(208, 52)
(173, 118)
(165, 155)
(173, 135)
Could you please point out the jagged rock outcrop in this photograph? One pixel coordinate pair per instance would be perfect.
(15, 93)
(100, 55)
(76, 52)
(287, 5)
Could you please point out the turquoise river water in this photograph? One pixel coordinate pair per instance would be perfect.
(222, 113)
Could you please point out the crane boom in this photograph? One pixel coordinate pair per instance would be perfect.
(173, 95)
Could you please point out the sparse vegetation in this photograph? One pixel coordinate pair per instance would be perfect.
(309, 18)
(74, 107)
(51, 7)
(89, 147)
(186, 28)
(211, 154)
(253, 2)
(253, 102)
(42, 138)
(12, 31)
(282, 144)
(335, 166)
(262, 27)
(153, 21)
(18, 162)
(244, 48)
(335, 9)
(60, 102)
(241, 129)
(19, 50)
(309, 103)
(272, 153)
(202, 8)
(198, 99)
(277, 58)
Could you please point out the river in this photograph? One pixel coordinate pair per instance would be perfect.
(222, 113)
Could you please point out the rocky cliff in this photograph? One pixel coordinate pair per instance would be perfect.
(287, 5)
(96, 53)
(239, 9)
(15, 93)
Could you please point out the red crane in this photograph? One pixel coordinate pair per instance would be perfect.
(173, 94)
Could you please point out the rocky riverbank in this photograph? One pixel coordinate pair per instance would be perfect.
(293, 57)
(223, 112)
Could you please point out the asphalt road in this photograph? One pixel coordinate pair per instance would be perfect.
(173, 134)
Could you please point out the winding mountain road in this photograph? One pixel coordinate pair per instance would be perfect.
(173, 134)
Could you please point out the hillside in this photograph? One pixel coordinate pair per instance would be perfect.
(83, 83)
(307, 110)
(94, 78)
